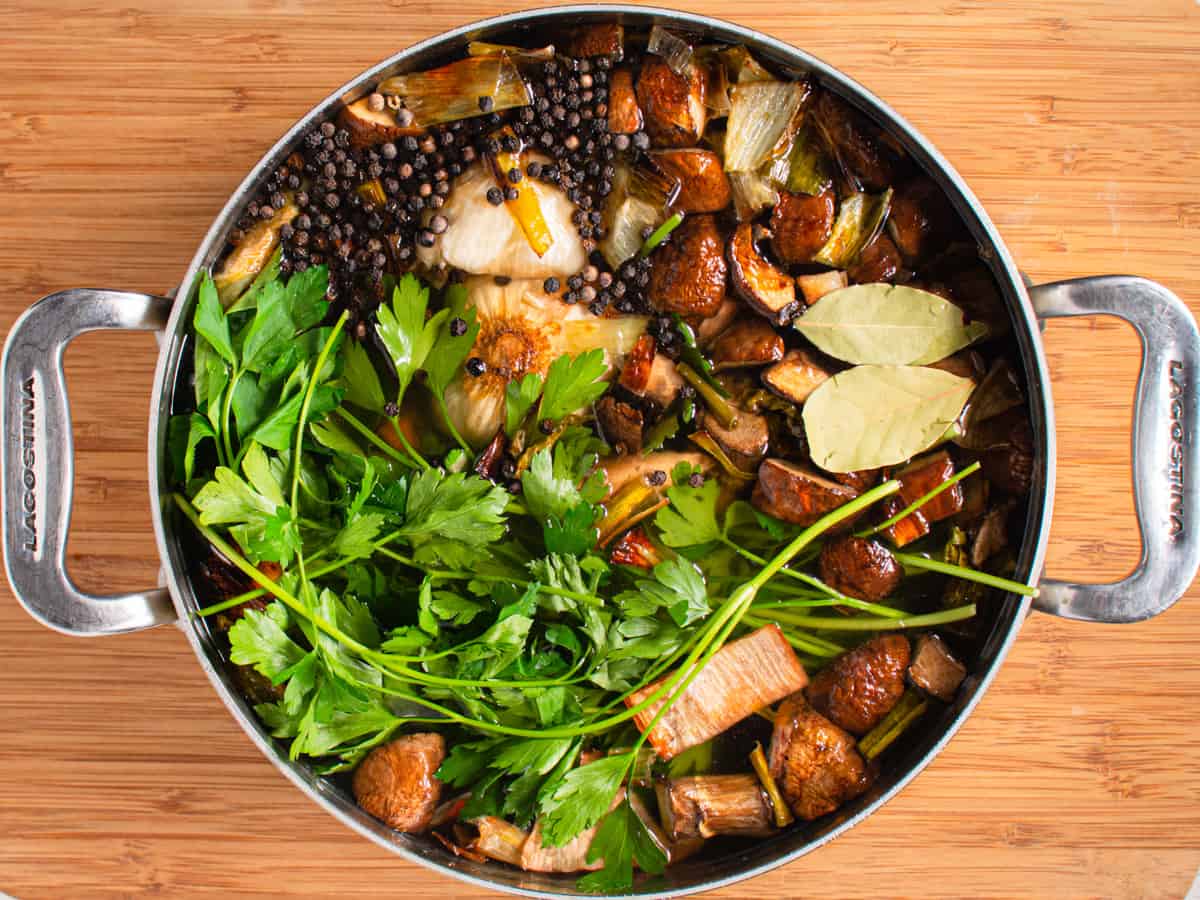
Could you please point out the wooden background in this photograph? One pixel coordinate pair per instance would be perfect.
(124, 126)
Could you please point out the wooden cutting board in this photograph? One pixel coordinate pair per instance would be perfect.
(123, 128)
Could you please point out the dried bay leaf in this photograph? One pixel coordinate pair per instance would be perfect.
(872, 416)
(887, 325)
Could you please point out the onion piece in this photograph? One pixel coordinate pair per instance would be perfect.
(453, 92)
(742, 67)
(860, 219)
(752, 193)
(521, 54)
(499, 839)
(675, 50)
(640, 198)
(525, 208)
(763, 115)
(808, 168)
(744, 675)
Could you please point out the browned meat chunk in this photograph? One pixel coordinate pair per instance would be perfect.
(621, 424)
(606, 39)
(796, 376)
(801, 224)
(923, 475)
(860, 687)
(746, 443)
(856, 142)
(767, 289)
(878, 261)
(396, 783)
(796, 494)
(688, 275)
(708, 805)
(745, 343)
(635, 375)
(744, 675)
(814, 762)
(920, 219)
(672, 104)
(624, 114)
(703, 184)
(934, 668)
(859, 567)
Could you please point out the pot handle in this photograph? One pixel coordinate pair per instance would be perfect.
(39, 464)
(1166, 448)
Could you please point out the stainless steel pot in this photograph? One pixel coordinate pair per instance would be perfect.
(38, 465)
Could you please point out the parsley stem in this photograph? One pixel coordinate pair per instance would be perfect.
(805, 643)
(226, 406)
(458, 438)
(873, 623)
(919, 502)
(459, 574)
(378, 442)
(302, 421)
(258, 592)
(412, 451)
(912, 560)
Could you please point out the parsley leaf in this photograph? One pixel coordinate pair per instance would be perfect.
(574, 533)
(581, 798)
(264, 529)
(210, 321)
(404, 331)
(260, 639)
(548, 492)
(621, 839)
(519, 397)
(458, 507)
(680, 588)
(360, 379)
(573, 382)
(691, 518)
(449, 352)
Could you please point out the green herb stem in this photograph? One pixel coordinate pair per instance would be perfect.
(803, 642)
(226, 407)
(302, 422)
(412, 451)
(378, 442)
(454, 433)
(717, 405)
(913, 561)
(920, 501)
(872, 623)
(660, 234)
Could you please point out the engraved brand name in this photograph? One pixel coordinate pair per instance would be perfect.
(1175, 471)
(28, 458)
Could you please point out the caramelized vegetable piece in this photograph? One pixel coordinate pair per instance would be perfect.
(746, 442)
(570, 857)
(396, 783)
(860, 218)
(635, 375)
(675, 849)
(673, 105)
(487, 463)
(499, 839)
(746, 343)
(796, 494)
(814, 762)
(251, 253)
(801, 225)
(688, 273)
(664, 383)
(635, 549)
(452, 92)
(598, 40)
(878, 261)
(703, 184)
(912, 527)
(368, 127)
(744, 675)
(622, 470)
(934, 668)
(860, 567)
(856, 143)
(709, 805)
(767, 290)
(621, 424)
(624, 114)
(924, 474)
(796, 376)
(814, 287)
(861, 686)
(920, 220)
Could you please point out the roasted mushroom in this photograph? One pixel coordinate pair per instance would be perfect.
(688, 273)
(746, 343)
(621, 424)
(396, 782)
(796, 376)
(703, 184)
(856, 143)
(368, 127)
(672, 104)
(925, 474)
(801, 224)
(920, 218)
(624, 114)
(934, 669)
(795, 494)
(813, 761)
(878, 261)
(860, 567)
(815, 286)
(767, 289)
(860, 687)
(745, 442)
(601, 39)
(709, 805)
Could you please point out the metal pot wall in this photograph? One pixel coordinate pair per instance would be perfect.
(38, 465)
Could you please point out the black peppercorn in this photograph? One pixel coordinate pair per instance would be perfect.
(551, 285)
(495, 196)
(476, 366)
(458, 326)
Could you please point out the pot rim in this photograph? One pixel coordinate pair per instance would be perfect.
(993, 251)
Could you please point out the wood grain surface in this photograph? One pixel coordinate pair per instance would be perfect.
(124, 126)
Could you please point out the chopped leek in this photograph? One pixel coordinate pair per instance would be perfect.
(860, 218)
(762, 116)
(453, 92)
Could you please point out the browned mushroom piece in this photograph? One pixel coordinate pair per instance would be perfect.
(396, 782)
(688, 272)
(934, 669)
(622, 470)
(368, 127)
(860, 567)
(601, 39)
(878, 261)
(635, 374)
(487, 464)
(861, 479)
(746, 443)
(703, 184)
(992, 536)
(796, 376)
(673, 104)
(768, 290)
(861, 686)
(816, 285)
(920, 218)
(814, 762)
(973, 289)
(624, 114)
(705, 806)
(714, 326)
(621, 424)
(796, 494)
(1009, 467)
(635, 549)
(746, 343)
(801, 224)
(664, 383)
(856, 142)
